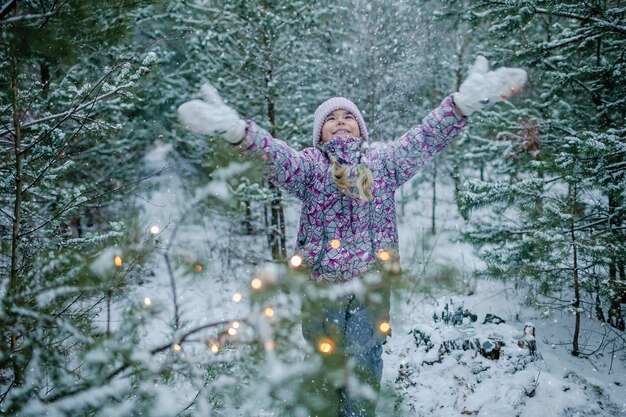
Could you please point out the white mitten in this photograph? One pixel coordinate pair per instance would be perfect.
(483, 88)
(210, 116)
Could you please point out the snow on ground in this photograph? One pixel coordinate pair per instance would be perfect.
(552, 383)
(416, 382)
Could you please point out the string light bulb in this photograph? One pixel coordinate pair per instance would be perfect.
(199, 268)
(269, 345)
(232, 331)
(237, 297)
(235, 324)
(177, 347)
(295, 261)
(326, 346)
(147, 301)
(155, 230)
(269, 312)
(384, 327)
(335, 243)
(117, 260)
(384, 256)
(215, 347)
(256, 284)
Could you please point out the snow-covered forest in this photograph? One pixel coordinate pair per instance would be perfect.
(145, 270)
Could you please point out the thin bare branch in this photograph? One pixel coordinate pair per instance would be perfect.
(7, 214)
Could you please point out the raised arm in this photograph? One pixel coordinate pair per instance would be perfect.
(403, 157)
(481, 90)
(288, 168)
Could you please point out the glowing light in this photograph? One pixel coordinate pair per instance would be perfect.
(326, 346)
(237, 297)
(232, 331)
(269, 312)
(269, 345)
(295, 261)
(384, 255)
(155, 230)
(147, 301)
(199, 268)
(215, 347)
(235, 324)
(117, 260)
(177, 347)
(256, 284)
(335, 243)
(384, 327)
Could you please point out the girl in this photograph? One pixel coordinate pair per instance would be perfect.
(348, 220)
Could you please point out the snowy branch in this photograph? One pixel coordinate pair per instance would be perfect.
(605, 24)
(616, 167)
(78, 388)
(183, 338)
(606, 221)
(6, 8)
(599, 22)
(71, 112)
(29, 17)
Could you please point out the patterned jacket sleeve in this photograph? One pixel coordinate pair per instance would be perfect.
(289, 169)
(403, 157)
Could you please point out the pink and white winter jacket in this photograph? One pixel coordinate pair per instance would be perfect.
(362, 229)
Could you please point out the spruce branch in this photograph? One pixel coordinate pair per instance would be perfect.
(72, 204)
(618, 26)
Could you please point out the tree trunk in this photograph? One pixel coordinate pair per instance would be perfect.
(622, 281)
(576, 303)
(616, 266)
(461, 43)
(598, 303)
(276, 232)
(277, 214)
(615, 317)
(44, 71)
(277, 226)
(247, 219)
(14, 283)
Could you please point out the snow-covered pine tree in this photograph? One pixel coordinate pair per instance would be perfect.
(556, 193)
(65, 90)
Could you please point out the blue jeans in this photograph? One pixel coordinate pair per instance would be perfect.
(352, 326)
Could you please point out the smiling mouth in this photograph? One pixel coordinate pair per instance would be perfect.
(342, 131)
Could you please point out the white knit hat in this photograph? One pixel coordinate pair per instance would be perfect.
(330, 106)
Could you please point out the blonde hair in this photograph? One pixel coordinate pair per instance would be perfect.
(363, 184)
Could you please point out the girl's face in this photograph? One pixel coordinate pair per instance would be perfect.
(339, 123)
